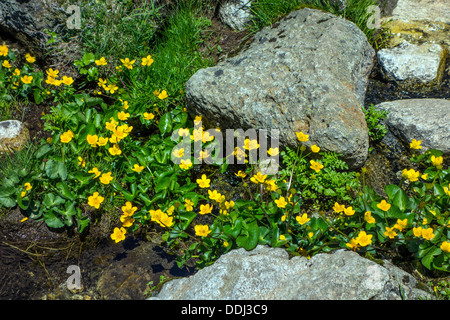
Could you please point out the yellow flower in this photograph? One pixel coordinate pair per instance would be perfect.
(137, 168)
(101, 62)
(125, 104)
(445, 246)
(401, 224)
(383, 205)
(241, 174)
(52, 73)
(186, 164)
(27, 186)
(364, 239)
(226, 244)
(127, 221)
(92, 140)
(424, 176)
(67, 80)
(95, 171)
(156, 214)
(353, 244)
(24, 219)
(183, 132)
(111, 88)
(147, 61)
(368, 217)
(205, 209)
(447, 191)
(258, 178)
(302, 137)
(417, 231)
(415, 144)
(251, 144)
(390, 232)
(437, 161)
(178, 153)
(189, 204)
(338, 207)
(411, 175)
(81, 162)
(214, 195)
(349, 211)
(282, 237)
(102, 141)
(106, 178)
(66, 137)
(118, 234)
(127, 63)
(123, 115)
(315, 148)
(229, 204)
(16, 72)
(3, 50)
(6, 64)
(23, 194)
(26, 79)
(148, 116)
(115, 151)
(271, 185)
(95, 200)
(281, 203)
(128, 209)
(30, 58)
(203, 182)
(428, 233)
(163, 95)
(166, 221)
(303, 219)
(273, 152)
(316, 166)
(202, 230)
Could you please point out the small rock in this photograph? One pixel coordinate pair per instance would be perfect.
(13, 134)
(415, 67)
(235, 13)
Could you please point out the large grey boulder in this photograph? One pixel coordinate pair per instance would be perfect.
(268, 274)
(411, 66)
(307, 73)
(236, 13)
(28, 20)
(421, 119)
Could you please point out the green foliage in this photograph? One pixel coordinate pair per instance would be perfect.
(376, 129)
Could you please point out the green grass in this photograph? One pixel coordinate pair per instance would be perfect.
(267, 12)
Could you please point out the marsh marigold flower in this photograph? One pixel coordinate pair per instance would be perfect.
(123, 115)
(390, 232)
(66, 137)
(188, 205)
(302, 137)
(364, 239)
(92, 140)
(95, 200)
(368, 217)
(101, 62)
(401, 224)
(445, 246)
(67, 80)
(303, 219)
(415, 144)
(349, 211)
(205, 209)
(241, 174)
(115, 151)
(258, 178)
(128, 209)
(383, 205)
(353, 244)
(148, 116)
(6, 64)
(106, 178)
(95, 171)
(127, 63)
(281, 203)
(203, 182)
(427, 233)
(202, 230)
(30, 58)
(316, 166)
(185, 164)
(437, 161)
(163, 95)
(118, 234)
(273, 152)
(137, 168)
(26, 79)
(147, 61)
(315, 148)
(338, 207)
(4, 50)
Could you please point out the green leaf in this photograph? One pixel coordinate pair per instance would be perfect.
(82, 223)
(165, 123)
(52, 220)
(234, 229)
(55, 168)
(88, 58)
(65, 191)
(427, 260)
(397, 196)
(50, 200)
(7, 202)
(249, 236)
(43, 150)
(37, 96)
